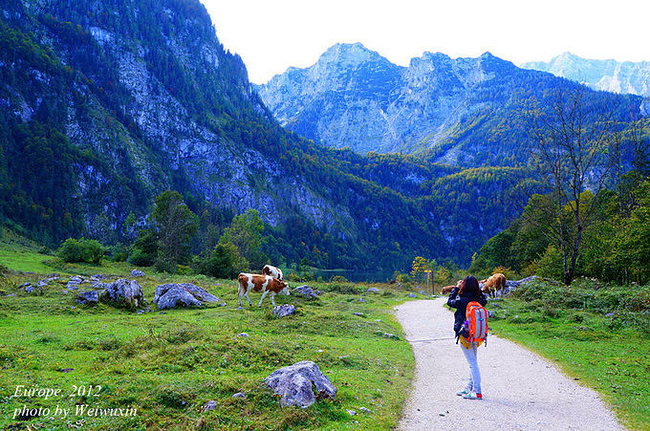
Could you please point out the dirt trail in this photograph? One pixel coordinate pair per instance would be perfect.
(521, 390)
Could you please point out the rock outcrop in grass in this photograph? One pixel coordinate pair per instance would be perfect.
(295, 384)
(182, 294)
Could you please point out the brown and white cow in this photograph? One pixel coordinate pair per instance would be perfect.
(273, 272)
(260, 283)
(493, 285)
(448, 289)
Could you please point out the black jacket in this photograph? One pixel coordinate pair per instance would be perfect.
(460, 304)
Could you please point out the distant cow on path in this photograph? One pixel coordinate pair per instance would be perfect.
(260, 283)
(447, 289)
(273, 272)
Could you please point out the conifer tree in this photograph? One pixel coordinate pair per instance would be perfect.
(176, 225)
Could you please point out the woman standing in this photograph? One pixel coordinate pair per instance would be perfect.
(466, 291)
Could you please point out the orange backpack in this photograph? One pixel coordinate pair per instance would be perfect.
(476, 323)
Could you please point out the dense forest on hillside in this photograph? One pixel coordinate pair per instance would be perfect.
(616, 241)
(110, 104)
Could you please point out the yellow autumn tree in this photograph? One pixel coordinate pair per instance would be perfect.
(419, 267)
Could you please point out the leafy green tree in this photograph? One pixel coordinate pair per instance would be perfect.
(633, 240)
(495, 252)
(245, 233)
(531, 239)
(130, 227)
(176, 225)
(442, 276)
(223, 262)
(550, 263)
(81, 250)
(145, 248)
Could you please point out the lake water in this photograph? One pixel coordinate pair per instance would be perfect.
(354, 276)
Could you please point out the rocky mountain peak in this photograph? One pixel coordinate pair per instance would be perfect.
(429, 61)
(348, 55)
(355, 97)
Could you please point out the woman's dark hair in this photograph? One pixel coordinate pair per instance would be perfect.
(470, 287)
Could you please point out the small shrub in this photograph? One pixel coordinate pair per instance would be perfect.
(183, 334)
(109, 343)
(401, 277)
(344, 288)
(639, 302)
(140, 258)
(164, 265)
(145, 248)
(80, 345)
(118, 253)
(626, 319)
(184, 270)
(578, 317)
(81, 250)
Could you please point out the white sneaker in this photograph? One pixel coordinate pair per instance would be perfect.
(473, 396)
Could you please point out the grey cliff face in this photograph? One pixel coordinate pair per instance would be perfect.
(353, 97)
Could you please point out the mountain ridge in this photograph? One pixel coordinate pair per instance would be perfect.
(432, 107)
(625, 77)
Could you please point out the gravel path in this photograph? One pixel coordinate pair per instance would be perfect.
(521, 390)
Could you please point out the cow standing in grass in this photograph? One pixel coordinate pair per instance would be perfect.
(260, 283)
(493, 285)
(273, 272)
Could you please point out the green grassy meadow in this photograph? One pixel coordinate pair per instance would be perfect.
(20, 254)
(161, 368)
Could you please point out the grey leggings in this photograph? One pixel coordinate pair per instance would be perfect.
(474, 372)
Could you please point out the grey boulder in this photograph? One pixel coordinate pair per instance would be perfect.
(305, 291)
(182, 294)
(284, 310)
(74, 282)
(210, 405)
(123, 292)
(513, 284)
(137, 273)
(295, 384)
(88, 298)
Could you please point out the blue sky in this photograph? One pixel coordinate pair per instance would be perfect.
(271, 36)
